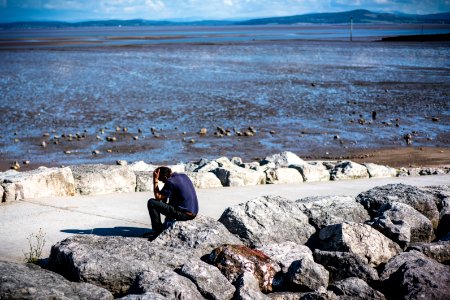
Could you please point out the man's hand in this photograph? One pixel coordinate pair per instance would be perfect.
(156, 191)
(156, 177)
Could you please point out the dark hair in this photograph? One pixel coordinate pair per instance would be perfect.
(164, 173)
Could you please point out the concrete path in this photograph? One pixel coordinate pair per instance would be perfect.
(126, 214)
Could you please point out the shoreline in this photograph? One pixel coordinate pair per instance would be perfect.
(396, 157)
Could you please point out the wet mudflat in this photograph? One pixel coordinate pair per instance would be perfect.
(319, 99)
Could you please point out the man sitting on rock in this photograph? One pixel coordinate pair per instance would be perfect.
(177, 200)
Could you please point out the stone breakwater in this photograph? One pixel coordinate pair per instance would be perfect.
(281, 168)
(390, 242)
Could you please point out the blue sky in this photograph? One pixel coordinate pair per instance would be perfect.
(77, 10)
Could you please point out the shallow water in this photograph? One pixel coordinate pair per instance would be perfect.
(306, 92)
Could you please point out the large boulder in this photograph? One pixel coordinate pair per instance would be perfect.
(38, 183)
(234, 260)
(145, 296)
(247, 288)
(238, 176)
(283, 176)
(369, 244)
(420, 200)
(343, 265)
(140, 166)
(403, 224)
(355, 289)
(200, 235)
(412, 275)
(306, 275)
(20, 281)
(209, 280)
(283, 159)
(112, 262)
(203, 180)
(439, 251)
(313, 171)
(442, 198)
(144, 181)
(329, 210)
(268, 219)
(103, 179)
(166, 283)
(379, 171)
(349, 170)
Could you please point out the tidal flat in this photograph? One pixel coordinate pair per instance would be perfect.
(319, 98)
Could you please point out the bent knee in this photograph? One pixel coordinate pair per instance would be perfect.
(150, 202)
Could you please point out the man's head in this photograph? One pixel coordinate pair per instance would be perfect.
(164, 173)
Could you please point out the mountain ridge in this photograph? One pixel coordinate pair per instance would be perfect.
(358, 16)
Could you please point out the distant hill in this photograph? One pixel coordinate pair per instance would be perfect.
(358, 16)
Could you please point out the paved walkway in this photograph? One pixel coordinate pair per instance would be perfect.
(126, 214)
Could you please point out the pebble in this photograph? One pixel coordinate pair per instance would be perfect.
(16, 140)
(249, 133)
(99, 138)
(252, 129)
(435, 119)
(135, 137)
(272, 132)
(111, 138)
(374, 115)
(125, 129)
(337, 137)
(46, 134)
(15, 165)
(109, 150)
(26, 162)
(67, 152)
(44, 144)
(118, 128)
(121, 162)
(221, 130)
(192, 141)
(139, 130)
(203, 131)
(96, 152)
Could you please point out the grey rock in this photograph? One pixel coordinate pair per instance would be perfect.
(144, 181)
(329, 210)
(38, 183)
(247, 288)
(167, 283)
(103, 179)
(140, 166)
(313, 171)
(202, 234)
(442, 199)
(343, 265)
(237, 176)
(146, 296)
(209, 280)
(403, 224)
(286, 253)
(306, 275)
(20, 281)
(234, 260)
(420, 200)
(379, 171)
(349, 170)
(439, 251)
(112, 262)
(369, 244)
(283, 176)
(204, 180)
(412, 275)
(355, 289)
(2, 193)
(268, 219)
(283, 159)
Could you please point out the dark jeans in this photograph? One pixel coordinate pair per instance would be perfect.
(156, 208)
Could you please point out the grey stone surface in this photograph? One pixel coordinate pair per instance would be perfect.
(439, 251)
(412, 275)
(247, 288)
(420, 200)
(28, 281)
(343, 265)
(234, 260)
(355, 289)
(329, 210)
(141, 166)
(403, 224)
(166, 283)
(144, 181)
(146, 296)
(283, 176)
(238, 176)
(204, 180)
(268, 219)
(313, 171)
(209, 280)
(442, 199)
(112, 262)
(103, 179)
(202, 234)
(38, 183)
(283, 159)
(306, 275)
(379, 171)
(348, 170)
(369, 244)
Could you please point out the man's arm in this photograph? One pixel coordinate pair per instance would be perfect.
(156, 191)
